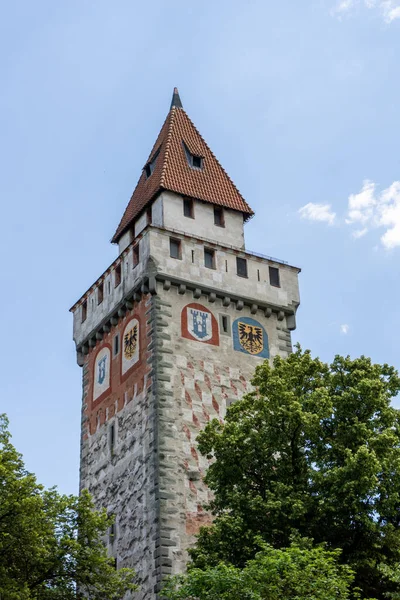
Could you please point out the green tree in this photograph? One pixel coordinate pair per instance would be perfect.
(314, 451)
(50, 544)
(298, 572)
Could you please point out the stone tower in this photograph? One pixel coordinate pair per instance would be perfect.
(167, 338)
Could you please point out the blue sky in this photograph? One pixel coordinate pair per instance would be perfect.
(298, 100)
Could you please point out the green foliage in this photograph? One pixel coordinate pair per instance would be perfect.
(51, 544)
(298, 572)
(313, 451)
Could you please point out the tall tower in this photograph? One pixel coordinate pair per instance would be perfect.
(167, 338)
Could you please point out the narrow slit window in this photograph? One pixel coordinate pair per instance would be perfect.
(209, 258)
(241, 266)
(116, 344)
(174, 248)
(149, 214)
(84, 311)
(226, 266)
(192, 256)
(100, 293)
(112, 532)
(109, 287)
(225, 324)
(112, 438)
(274, 278)
(219, 216)
(258, 274)
(136, 256)
(188, 210)
(117, 275)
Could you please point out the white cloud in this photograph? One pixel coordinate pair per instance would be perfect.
(359, 233)
(371, 209)
(344, 329)
(317, 212)
(388, 9)
(367, 209)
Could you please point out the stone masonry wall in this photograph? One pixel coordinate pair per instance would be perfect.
(199, 380)
(119, 447)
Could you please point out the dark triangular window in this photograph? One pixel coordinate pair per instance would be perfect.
(150, 166)
(194, 161)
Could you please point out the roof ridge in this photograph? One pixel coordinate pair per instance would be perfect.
(171, 116)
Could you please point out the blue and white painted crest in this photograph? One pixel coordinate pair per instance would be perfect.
(199, 324)
(101, 370)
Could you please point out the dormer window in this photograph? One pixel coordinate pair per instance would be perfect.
(149, 168)
(195, 161)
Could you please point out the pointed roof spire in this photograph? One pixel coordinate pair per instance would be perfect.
(176, 101)
(168, 168)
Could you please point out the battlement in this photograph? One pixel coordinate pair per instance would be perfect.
(196, 263)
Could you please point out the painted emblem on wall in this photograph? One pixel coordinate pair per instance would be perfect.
(249, 336)
(198, 323)
(101, 378)
(130, 341)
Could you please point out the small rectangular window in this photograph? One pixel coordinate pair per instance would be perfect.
(188, 210)
(149, 214)
(226, 266)
(209, 258)
(116, 345)
(219, 216)
(84, 311)
(192, 256)
(225, 324)
(109, 287)
(135, 255)
(274, 277)
(197, 162)
(117, 275)
(241, 267)
(258, 274)
(100, 293)
(174, 248)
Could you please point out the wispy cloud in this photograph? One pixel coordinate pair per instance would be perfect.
(344, 329)
(389, 10)
(367, 209)
(317, 212)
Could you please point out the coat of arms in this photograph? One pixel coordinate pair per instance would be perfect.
(251, 337)
(130, 342)
(199, 324)
(101, 370)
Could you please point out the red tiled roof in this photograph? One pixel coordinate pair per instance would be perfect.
(172, 171)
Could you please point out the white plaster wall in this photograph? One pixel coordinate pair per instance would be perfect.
(224, 276)
(112, 295)
(125, 240)
(203, 223)
(140, 223)
(157, 211)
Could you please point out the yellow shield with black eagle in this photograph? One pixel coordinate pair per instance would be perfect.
(130, 342)
(249, 336)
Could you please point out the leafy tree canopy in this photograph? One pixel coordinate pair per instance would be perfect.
(313, 451)
(50, 544)
(298, 572)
